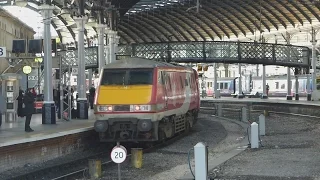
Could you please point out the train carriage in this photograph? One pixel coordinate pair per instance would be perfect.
(143, 100)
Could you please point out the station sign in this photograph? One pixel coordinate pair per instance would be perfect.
(3, 52)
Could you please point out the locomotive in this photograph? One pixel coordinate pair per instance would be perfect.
(140, 100)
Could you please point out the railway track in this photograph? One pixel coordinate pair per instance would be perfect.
(78, 168)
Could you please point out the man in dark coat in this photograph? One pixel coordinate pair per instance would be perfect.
(92, 92)
(20, 102)
(28, 101)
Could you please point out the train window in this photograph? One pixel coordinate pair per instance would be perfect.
(277, 85)
(283, 86)
(211, 84)
(137, 77)
(221, 85)
(225, 85)
(114, 77)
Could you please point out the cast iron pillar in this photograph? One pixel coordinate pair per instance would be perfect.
(289, 84)
(48, 108)
(308, 85)
(264, 83)
(82, 103)
(215, 81)
(240, 95)
(101, 55)
(313, 65)
(112, 36)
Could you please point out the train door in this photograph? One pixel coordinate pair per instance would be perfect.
(166, 84)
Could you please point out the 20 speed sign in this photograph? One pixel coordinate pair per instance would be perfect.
(119, 154)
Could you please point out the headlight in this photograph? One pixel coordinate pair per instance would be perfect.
(101, 126)
(104, 108)
(139, 108)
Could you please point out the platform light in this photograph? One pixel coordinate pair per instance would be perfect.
(21, 3)
(27, 70)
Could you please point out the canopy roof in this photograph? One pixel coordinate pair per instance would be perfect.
(181, 20)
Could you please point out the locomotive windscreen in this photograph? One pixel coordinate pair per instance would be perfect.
(127, 77)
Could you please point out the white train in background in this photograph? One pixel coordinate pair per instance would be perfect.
(252, 85)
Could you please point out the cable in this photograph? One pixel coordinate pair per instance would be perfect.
(189, 152)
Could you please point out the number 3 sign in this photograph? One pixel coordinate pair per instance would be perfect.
(3, 52)
(118, 154)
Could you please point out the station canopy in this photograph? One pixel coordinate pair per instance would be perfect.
(141, 21)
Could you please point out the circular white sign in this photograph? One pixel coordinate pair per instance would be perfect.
(119, 154)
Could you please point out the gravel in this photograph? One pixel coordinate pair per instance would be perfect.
(290, 151)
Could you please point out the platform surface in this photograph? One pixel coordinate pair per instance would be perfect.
(13, 132)
(302, 101)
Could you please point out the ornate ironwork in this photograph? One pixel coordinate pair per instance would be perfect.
(221, 51)
(71, 57)
(204, 52)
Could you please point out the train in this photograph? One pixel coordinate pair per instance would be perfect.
(140, 100)
(253, 85)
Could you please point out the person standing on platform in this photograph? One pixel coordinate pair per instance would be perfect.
(28, 101)
(92, 92)
(20, 102)
(2, 107)
(267, 89)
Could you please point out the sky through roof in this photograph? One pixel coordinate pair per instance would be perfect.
(31, 18)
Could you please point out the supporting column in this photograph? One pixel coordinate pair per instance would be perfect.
(289, 96)
(297, 88)
(112, 41)
(215, 87)
(287, 37)
(48, 108)
(82, 103)
(264, 84)
(226, 70)
(90, 78)
(308, 86)
(101, 56)
(240, 95)
(314, 95)
(257, 70)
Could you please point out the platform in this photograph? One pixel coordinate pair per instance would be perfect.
(301, 107)
(302, 101)
(13, 132)
(48, 141)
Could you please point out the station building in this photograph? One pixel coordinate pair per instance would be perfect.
(11, 28)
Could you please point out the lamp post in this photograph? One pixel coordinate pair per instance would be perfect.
(27, 70)
(39, 61)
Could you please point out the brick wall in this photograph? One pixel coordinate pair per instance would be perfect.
(41, 151)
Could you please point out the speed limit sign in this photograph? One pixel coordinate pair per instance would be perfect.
(119, 154)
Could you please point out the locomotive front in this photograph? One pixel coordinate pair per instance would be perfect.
(124, 105)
